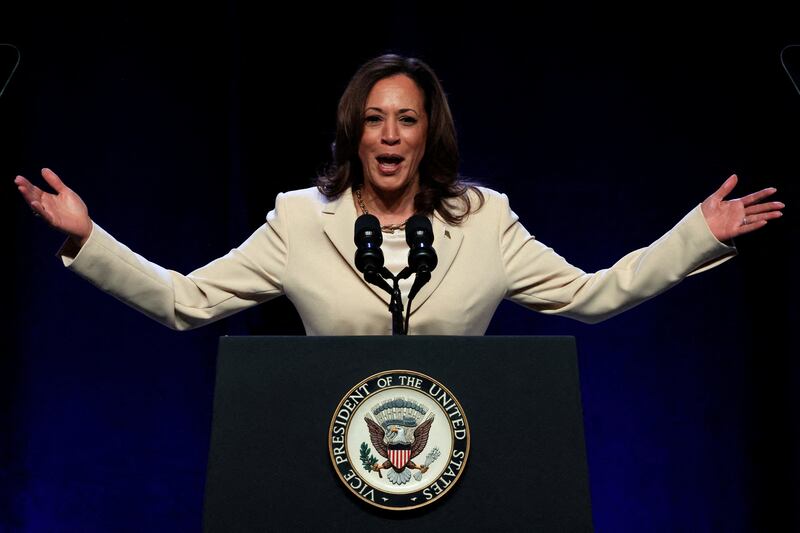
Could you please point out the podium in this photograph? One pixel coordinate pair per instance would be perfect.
(269, 466)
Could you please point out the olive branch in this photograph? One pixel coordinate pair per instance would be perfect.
(367, 459)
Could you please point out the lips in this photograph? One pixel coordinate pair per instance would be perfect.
(389, 163)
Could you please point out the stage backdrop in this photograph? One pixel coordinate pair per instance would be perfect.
(178, 125)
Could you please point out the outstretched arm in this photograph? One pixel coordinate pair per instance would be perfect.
(730, 218)
(541, 279)
(245, 276)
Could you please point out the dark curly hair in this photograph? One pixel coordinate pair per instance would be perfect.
(439, 181)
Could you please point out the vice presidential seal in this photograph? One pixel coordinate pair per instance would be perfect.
(399, 440)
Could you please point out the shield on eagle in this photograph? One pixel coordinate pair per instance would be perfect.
(399, 455)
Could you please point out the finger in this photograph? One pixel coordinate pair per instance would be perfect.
(759, 195)
(22, 181)
(751, 227)
(39, 211)
(763, 216)
(28, 190)
(53, 180)
(726, 187)
(763, 208)
(44, 212)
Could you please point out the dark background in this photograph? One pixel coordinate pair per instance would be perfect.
(179, 123)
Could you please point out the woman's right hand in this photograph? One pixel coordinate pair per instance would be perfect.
(63, 210)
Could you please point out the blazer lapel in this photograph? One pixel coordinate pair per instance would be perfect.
(339, 218)
(446, 241)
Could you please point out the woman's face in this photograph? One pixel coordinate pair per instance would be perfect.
(395, 130)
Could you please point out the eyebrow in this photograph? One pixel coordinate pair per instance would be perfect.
(404, 110)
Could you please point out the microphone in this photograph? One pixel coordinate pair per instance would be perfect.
(369, 261)
(368, 239)
(421, 256)
(419, 236)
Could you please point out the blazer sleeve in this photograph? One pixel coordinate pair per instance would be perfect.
(247, 275)
(540, 279)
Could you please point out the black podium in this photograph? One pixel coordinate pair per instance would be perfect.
(270, 470)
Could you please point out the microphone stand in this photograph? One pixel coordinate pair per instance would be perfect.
(422, 277)
(396, 308)
(399, 326)
(396, 298)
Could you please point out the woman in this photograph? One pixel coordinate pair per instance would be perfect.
(395, 155)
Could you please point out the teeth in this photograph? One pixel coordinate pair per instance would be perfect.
(388, 167)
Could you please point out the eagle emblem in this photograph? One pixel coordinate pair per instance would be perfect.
(399, 440)
(398, 430)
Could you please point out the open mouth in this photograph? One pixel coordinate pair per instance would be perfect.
(389, 163)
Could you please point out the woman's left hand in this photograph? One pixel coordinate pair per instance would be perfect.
(731, 218)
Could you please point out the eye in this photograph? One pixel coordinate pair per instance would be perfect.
(408, 120)
(372, 119)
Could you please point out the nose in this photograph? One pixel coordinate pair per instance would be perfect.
(390, 134)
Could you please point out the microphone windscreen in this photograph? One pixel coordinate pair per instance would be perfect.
(368, 227)
(419, 229)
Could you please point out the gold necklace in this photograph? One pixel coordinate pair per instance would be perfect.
(388, 228)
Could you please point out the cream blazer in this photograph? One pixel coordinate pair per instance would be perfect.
(305, 250)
